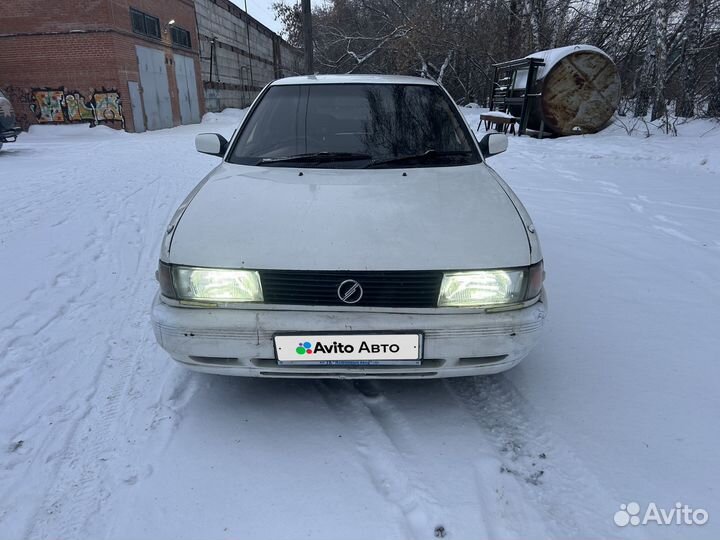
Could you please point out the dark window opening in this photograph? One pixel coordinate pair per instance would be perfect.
(145, 24)
(180, 37)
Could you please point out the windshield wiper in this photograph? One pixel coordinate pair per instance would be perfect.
(418, 157)
(315, 157)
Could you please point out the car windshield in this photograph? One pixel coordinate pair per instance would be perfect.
(355, 126)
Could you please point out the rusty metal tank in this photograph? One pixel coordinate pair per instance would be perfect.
(576, 91)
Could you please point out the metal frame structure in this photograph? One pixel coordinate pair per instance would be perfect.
(501, 95)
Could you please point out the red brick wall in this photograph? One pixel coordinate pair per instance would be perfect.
(86, 46)
(74, 62)
(35, 16)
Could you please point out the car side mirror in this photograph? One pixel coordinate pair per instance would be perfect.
(211, 143)
(493, 143)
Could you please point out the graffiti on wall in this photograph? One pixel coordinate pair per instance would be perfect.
(77, 109)
(49, 105)
(60, 106)
(107, 106)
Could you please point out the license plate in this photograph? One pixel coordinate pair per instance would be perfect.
(348, 349)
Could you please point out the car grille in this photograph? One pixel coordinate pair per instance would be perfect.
(409, 289)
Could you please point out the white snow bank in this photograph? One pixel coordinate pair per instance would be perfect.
(47, 131)
(225, 116)
(616, 404)
(694, 145)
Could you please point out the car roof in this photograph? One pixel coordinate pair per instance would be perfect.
(352, 79)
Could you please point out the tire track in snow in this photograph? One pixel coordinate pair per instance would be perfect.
(77, 490)
(569, 496)
(163, 415)
(97, 229)
(95, 442)
(497, 502)
(33, 343)
(436, 461)
(384, 445)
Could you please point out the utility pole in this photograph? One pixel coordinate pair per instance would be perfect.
(307, 35)
(247, 27)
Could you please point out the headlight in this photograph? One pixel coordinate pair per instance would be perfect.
(210, 284)
(482, 288)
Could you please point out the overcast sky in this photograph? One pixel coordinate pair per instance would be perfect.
(262, 11)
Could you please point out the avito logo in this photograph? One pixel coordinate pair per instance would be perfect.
(680, 514)
(306, 347)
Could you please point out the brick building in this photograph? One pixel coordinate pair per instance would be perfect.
(135, 64)
(130, 64)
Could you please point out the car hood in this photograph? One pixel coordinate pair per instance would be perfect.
(339, 219)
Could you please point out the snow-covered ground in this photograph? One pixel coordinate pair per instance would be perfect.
(102, 436)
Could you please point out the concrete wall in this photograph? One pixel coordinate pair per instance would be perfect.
(237, 72)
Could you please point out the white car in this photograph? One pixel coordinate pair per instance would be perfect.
(352, 230)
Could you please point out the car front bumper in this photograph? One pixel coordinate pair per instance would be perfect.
(9, 135)
(240, 341)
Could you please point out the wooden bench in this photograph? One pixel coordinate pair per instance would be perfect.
(503, 122)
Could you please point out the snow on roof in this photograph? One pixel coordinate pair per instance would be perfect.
(553, 56)
(353, 79)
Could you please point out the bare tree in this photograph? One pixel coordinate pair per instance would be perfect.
(291, 18)
(714, 101)
(661, 46)
(649, 68)
(561, 10)
(666, 50)
(691, 39)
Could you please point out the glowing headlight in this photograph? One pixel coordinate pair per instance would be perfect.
(482, 288)
(216, 285)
